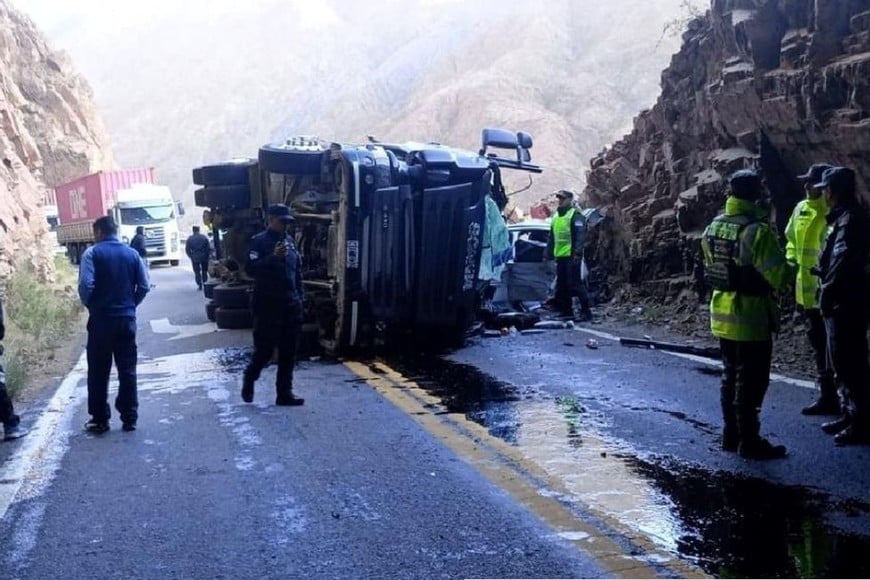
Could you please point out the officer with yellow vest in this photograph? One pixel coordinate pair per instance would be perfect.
(805, 235)
(566, 244)
(745, 266)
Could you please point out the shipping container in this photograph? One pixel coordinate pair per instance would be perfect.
(89, 197)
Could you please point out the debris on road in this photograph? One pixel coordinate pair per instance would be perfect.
(521, 320)
(592, 344)
(705, 351)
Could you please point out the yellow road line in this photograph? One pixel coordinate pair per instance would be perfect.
(509, 470)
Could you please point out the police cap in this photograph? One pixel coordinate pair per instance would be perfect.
(745, 184)
(281, 211)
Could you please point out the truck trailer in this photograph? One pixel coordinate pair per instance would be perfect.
(133, 198)
(398, 241)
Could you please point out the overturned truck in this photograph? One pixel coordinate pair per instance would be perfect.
(398, 241)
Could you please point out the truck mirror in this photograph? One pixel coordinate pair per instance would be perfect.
(180, 206)
(499, 138)
(524, 140)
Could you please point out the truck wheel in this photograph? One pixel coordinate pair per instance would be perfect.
(223, 196)
(210, 308)
(209, 286)
(232, 296)
(174, 262)
(234, 318)
(290, 160)
(233, 172)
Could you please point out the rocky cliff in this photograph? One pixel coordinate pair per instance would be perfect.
(49, 133)
(771, 84)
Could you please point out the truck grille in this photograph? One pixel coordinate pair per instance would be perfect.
(155, 241)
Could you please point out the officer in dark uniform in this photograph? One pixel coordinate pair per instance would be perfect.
(276, 267)
(843, 301)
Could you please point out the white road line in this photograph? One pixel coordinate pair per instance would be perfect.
(705, 360)
(31, 469)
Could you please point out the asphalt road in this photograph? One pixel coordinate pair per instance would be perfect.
(525, 456)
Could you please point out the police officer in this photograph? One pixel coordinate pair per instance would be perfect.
(805, 235)
(566, 244)
(276, 267)
(843, 301)
(745, 266)
(138, 242)
(198, 249)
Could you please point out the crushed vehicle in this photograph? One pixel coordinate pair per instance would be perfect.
(398, 241)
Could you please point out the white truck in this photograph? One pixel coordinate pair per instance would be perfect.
(133, 199)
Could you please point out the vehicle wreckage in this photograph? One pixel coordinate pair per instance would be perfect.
(398, 241)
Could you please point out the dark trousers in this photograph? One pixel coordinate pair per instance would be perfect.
(847, 356)
(745, 380)
(7, 413)
(112, 338)
(281, 331)
(568, 285)
(200, 271)
(818, 338)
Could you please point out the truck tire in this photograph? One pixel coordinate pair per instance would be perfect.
(234, 318)
(209, 286)
(290, 160)
(221, 196)
(232, 296)
(233, 172)
(210, 308)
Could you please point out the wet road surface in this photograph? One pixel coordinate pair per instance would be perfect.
(523, 456)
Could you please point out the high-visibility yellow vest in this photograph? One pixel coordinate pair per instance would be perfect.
(735, 315)
(561, 232)
(805, 236)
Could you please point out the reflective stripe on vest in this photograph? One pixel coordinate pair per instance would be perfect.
(561, 228)
(810, 231)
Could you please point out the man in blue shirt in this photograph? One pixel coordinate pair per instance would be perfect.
(112, 283)
(276, 268)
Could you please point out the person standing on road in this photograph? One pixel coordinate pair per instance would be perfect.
(805, 235)
(138, 242)
(745, 266)
(843, 299)
(566, 245)
(112, 283)
(276, 267)
(198, 250)
(12, 428)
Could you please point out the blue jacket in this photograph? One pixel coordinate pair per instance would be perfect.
(112, 279)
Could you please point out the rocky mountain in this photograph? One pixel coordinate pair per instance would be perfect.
(49, 133)
(772, 84)
(194, 82)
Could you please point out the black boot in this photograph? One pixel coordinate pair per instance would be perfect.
(828, 402)
(248, 389)
(730, 439)
(834, 427)
(823, 406)
(288, 399)
(762, 449)
(852, 435)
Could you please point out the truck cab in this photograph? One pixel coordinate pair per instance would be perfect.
(399, 241)
(152, 207)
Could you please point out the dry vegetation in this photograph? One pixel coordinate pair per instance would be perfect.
(39, 316)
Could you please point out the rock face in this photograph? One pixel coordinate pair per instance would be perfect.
(771, 84)
(49, 133)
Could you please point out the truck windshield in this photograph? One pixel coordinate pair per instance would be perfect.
(152, 214)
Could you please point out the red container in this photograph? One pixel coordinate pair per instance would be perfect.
(89, 197)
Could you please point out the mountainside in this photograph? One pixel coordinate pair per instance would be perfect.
(179, 87)
(773, 84)
(49, 132)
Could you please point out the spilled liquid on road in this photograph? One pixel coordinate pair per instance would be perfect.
(728, 525)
